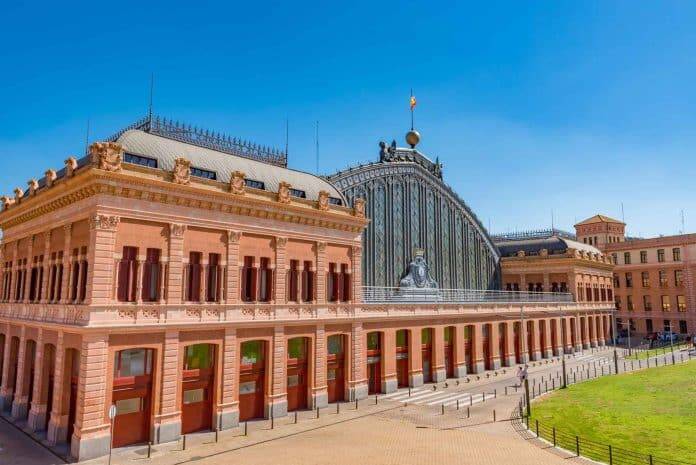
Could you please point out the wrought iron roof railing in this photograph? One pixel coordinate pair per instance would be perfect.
(532, 234)
(207, 139)
(373, 294)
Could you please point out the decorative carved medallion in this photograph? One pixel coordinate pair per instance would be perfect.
(233, 237)
(323, 200)
(284, 192)
(70, 166)
(182, 171)
(51, 176)
(359, 207)
(321, 246)
(281, 241)
(33, 186)
(177, 230)
(104, 222)
(107, 156)
(237, 184)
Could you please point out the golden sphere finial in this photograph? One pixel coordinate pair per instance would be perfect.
(412, 138)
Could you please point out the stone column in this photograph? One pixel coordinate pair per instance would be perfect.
(139, 280)
(37, 411)
(600, 330)
(228, 409)
(592, 332)
(415, 357)
(280, 270)
(278, 399)
(556, 327)
(586, 339)
(203, 296)
(175, 283)
(92, 436)
(439, 368)
(320, 393)
(357, 274)
(232, 284)
(19, 404)
(58, 424)
(510, 343)
(459, 351)
(7, 389)
(45, 292)
(27, 267)
(535, 343)
(578, 333)
(389, 380)
(168, 419)
(523, 282)
(15, 272)
(494, 341)
(547, 282)
(479, 364)
(321, 294)
(67, 270)
(547, 350)
(357, 386)
(100, 257)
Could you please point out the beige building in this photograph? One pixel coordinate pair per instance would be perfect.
(653, 278)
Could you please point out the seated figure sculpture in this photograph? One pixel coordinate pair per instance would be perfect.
(418, 274)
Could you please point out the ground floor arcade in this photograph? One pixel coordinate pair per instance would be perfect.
(172, 381)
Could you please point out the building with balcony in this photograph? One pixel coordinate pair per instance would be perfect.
(193, 281)
(653, 278)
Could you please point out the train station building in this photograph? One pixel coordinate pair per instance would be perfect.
(194, 281)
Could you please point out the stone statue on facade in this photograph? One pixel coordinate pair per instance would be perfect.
(418, 274)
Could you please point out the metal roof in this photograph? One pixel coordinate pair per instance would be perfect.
(166, 151)
(553, 244)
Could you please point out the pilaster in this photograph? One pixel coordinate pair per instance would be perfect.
(168, 421)
(100, 257)
(58, 424)
(176, 265)
(232, 282)
(91, 437)
(357, 389)
(280, 266)
(357, 273)
(459, 351)
(278, 400)
(321, 272)
(7, 389)
(19, 403)
(494, 341)
(228, 409)
(37, 411)
(320, 393)
(389, 380)
(439, 369)
(67, 270)
(479, 364)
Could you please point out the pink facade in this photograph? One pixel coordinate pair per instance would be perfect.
(195, 303)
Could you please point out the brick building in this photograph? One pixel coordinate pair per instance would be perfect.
(653, 278)
(193, 281)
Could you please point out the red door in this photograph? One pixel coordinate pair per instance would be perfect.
(467, 355)
(132, 400)
(197, 400)
(487, 353)
(374, 363)
(449, 360)
(427, 354)
(502, 344)
(252, 380)
(297, 384)
(335, 371)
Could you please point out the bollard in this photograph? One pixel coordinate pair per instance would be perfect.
(217, 434)
(493, 415)
(356, 404)
(554, 436)
(650, 459)
(537, 427)
(272, 419)
(375, 399)
(443, 409)
(338, 408)
(246, 427)
(506, 390)
(495, 393)
(457, 404)
(295, 416)
(611, 456)
(317, 413)
(577, 446)
(184, 444)
(471, 399)
(409, 391)
(149, 449)
(484, 396)
(468, 412)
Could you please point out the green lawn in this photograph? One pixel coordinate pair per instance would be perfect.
(643, 354)
(651, 412)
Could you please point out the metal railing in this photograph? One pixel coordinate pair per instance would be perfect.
(581, 446)
(374, 294)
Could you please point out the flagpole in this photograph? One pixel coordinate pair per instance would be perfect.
(411, 109)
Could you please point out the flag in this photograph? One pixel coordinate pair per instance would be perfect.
(413, 102)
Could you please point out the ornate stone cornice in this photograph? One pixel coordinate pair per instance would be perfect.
(128, 184)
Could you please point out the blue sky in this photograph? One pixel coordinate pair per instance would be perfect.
(573, 107)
